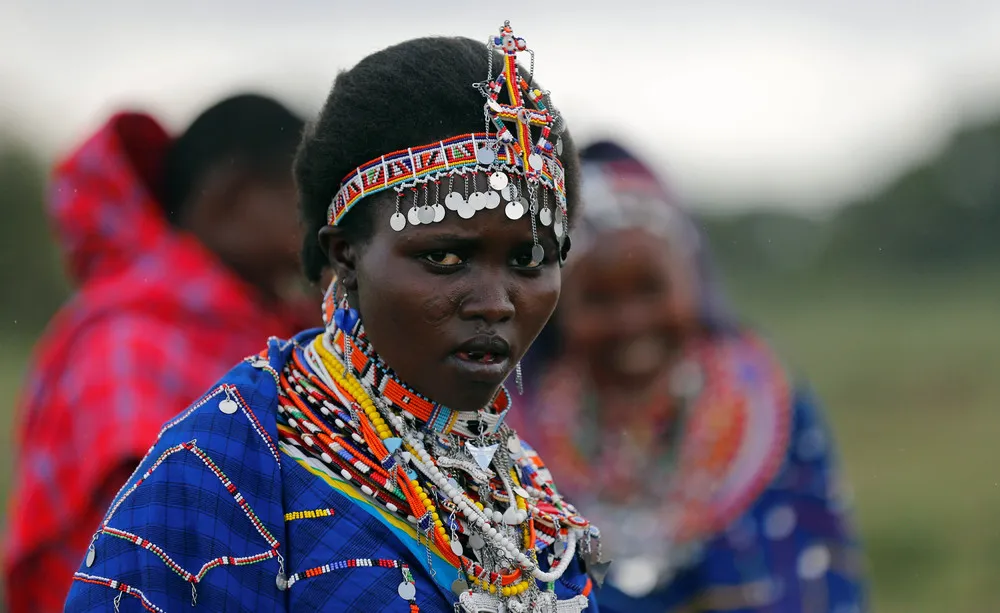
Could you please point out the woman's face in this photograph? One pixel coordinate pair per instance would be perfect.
(627, 307)
(452, 306)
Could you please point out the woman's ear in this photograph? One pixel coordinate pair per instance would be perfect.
(341, 255)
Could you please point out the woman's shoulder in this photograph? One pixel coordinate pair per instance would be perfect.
(202, 498)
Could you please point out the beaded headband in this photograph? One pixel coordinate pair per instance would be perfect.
(521, 171)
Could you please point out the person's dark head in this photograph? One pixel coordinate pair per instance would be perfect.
(427, 289)
(636, 288)
(228, 181)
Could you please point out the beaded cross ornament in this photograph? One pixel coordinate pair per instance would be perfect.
(517, 151)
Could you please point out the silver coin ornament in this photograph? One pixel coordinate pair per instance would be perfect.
(407, 591)
(492, 199)
(545, 216)
(397, 222)
(466, 211)
(227, 406)
(476, 542)
(438, 213)
(514, 210)
(509, 193)
(485, 156)
(535, 161)
(91, 556)
(477, 201)
(281, 582)
(498, 180)
(413, 216)
(537, 254)
(514, 446)
(459, 586)
(456, 547)
(426, 214)
(559, 146)
(454, 200)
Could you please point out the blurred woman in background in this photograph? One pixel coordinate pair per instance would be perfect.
(712, 471)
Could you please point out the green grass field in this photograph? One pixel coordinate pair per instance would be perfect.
(907, 371)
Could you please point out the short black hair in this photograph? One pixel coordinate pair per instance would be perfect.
(410, 94)
(248, 129)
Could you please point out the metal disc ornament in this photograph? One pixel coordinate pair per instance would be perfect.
(227, 406)
(456, 547)
(537, 254)
(459, 586)
(454, 200)
(476, 542)
(498, 180)
(492, 199)
(545, 216)
(406, 590)
(91, 556)
(397, 222)
(413, 216)
(476, 201)
(466, 211)
(535, 161)
(559, 147)
(426, 214)
(514, 210)
(485, 156)
(438, 213)
(509, 193)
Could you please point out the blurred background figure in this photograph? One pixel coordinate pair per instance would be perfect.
(183, 254)
(717, 488)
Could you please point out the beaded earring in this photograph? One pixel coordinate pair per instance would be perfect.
(518, 379)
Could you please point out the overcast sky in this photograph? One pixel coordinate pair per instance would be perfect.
(802, 103)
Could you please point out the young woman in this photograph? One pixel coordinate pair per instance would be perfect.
(676, 429)
(367, 466)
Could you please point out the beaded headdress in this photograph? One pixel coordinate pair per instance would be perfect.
(518, 148)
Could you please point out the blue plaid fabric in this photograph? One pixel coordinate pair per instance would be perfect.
(202, 522)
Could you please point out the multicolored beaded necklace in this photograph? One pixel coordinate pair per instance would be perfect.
(435, 468)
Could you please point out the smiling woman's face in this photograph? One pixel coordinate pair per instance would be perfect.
(452, 306)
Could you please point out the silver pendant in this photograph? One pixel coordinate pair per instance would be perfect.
(482, 455)
(537, 254)
(514, 210)
(397, 222)
(91, 556)
(535, 161)
(477, 200)
(425, 214)
(459, 586)
(406, 590)
(227, 406)
(492, 199)
(485, 156)
(476, 542)
(413, 216)
(454, 200)
(477, 602)
(498, 180)
(559, 146)
(466, 211)
(509, 193)
(456, 547)
(545, 216)
(438, 213)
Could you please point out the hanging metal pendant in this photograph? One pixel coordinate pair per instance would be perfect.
(456, 547)
(559, 146)
(485, 156)
(91, 556)
(466, 211)
(476, 542)
(406, 590)
(426, 214)
(413, 216)
(477, 201)
(397, 222)
(535, 161)
(514, 210)
(458, 586)
(454, 200)
(227, 406)
(545, 216)
(492, 199)
(438, 213)
(498, 180)
(482, 455)
(509, 193)
(537, 254)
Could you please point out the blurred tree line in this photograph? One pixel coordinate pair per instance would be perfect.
(943, 215)
(940, 216)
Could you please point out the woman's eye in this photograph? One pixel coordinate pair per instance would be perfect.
(443, 258)
(524, 261)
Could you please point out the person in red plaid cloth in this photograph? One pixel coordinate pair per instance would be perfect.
(185, 255)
